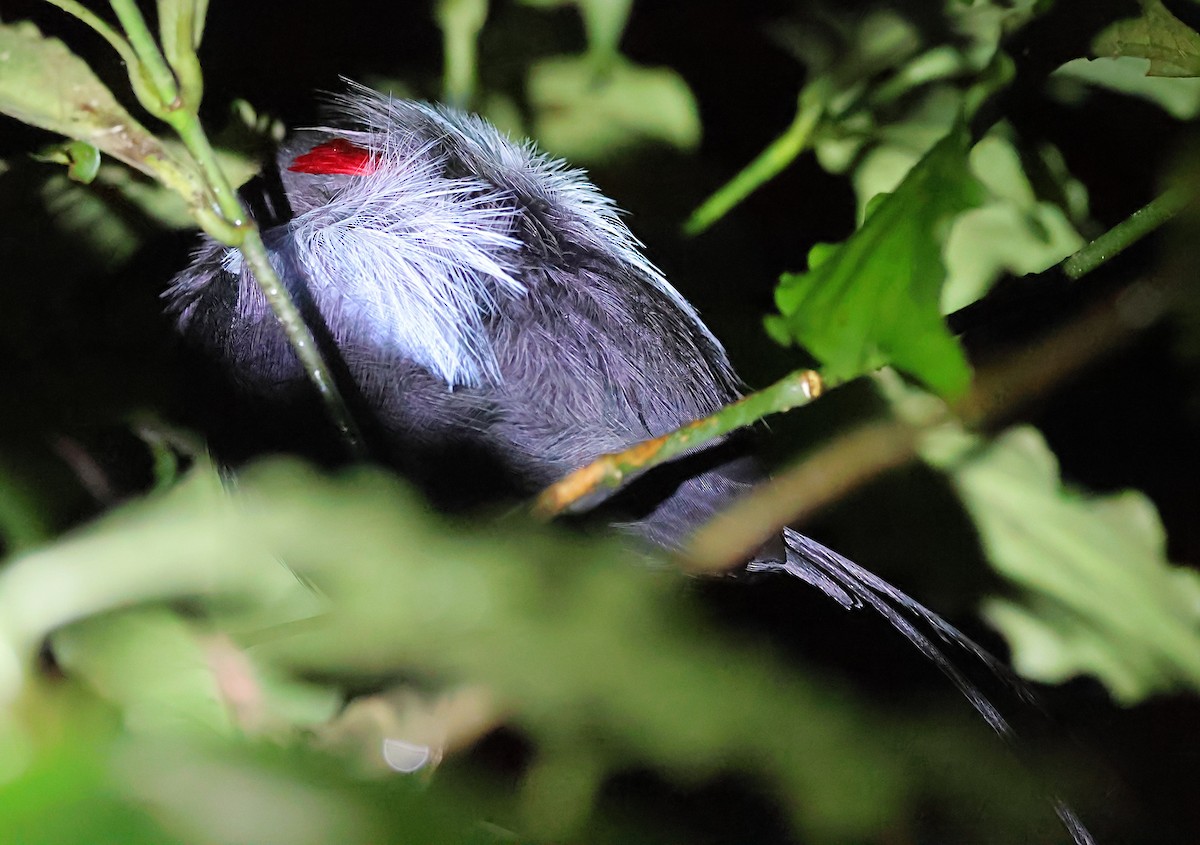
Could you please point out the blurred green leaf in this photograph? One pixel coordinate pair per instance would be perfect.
(585, 118)
(1178, 97)
(983, 26)
(55, 783)
(874, 299)
(1012, 232)
(876, 96)
(68, 799)
(573, 640)
(1172, 47)
(604, 21)
(96, 218)
(115, 215)
(840, 59)
(1098, 594)
(152, 665)
(44, 84)
(22, 522)
(897, 147)
(849, 48)
(167, 676)
(91, 784)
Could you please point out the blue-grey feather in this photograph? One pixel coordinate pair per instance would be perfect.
(481, 291)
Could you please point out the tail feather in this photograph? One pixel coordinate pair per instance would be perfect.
(852, 586)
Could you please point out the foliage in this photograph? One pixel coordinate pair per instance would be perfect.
(1171, 46)
(874, 299)
(177, 665)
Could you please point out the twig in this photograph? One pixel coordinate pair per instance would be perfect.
(100, 27)
(839, 468)
(609, 471)
(766, 166)
(222, 214)
(1128, 232)
(854, 459)
(157, 72)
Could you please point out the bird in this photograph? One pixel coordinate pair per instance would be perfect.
(484, 298)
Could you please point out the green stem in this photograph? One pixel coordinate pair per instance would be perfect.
(100, 27)
(1126, 233)
(461, 22)
(769, 164)
(609, 471)
(178, 34)
(187, 126)
(301, 339)
(605, 24)
(231, 224)
(158, 74)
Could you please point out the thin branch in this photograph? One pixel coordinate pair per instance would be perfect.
(230, 223)
(608, 471)
(100, 27)
(302, 341)
(767, 165)
(852, 460)
(157, 73)
(1128, 232)
(833, 472)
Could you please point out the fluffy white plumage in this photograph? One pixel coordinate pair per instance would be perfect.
(478, 221)
(420, 257)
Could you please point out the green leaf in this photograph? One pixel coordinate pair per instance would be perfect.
(876, 299)
(151, 663)
(1178, 97)
(96, 218)
(599, 650)
(22, 521)
(877, 97)
(839, 63)
(90, 784)
(849, 47)
(44, 84)
(1099, 596)
(604, 21)
(168, 677)
(1172, 47)
(67, 797)
(587, 118)
(1013, 232)
(180, 27)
